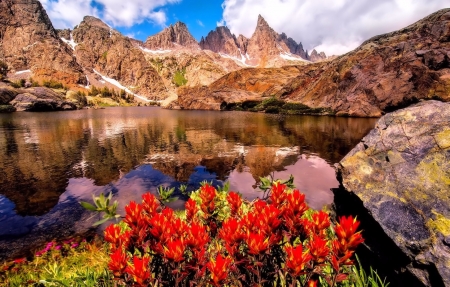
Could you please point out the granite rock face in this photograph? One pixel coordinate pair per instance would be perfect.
(222, 41)
(316, 57)
(401, 173)
(101, 48)
(385, 73)
(29, 41)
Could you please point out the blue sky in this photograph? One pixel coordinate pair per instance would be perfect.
(332, 26)
(200, 17)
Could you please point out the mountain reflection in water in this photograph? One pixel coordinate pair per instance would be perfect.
(56, 159)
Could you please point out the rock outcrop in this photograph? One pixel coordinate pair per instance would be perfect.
(385, 73)
(173, 37)
(401, 173)
(41, 99)
(29, 41)
(102, 51)
(222, 41)
(316, 57)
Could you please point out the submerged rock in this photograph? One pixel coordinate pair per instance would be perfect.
(401, 173)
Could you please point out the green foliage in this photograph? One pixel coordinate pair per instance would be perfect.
(105, 55)
(52, 84)
(102, 205)
(80, 97)
(179, 79)
(81, 266)
(166, 194)
(3, 70)
(105, 92)
(33, 82)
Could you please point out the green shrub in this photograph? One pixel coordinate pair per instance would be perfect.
(179, 79)
(53, 84)
(3, 70)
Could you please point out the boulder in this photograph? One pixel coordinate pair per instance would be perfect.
(41, 99)
(7, 95)
(400, 172)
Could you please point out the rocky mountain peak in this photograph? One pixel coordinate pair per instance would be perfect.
(315, 56)
(29, 41)
(93, 21)
(221, 41)
(171, 37)
(261, 22)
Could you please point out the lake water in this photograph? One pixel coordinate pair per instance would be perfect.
(51, 161)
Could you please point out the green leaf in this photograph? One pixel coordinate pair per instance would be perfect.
(88, 206)
(101, 221)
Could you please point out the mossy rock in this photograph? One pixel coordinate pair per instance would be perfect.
(401, 173)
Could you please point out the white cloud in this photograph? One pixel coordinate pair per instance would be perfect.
(200, 23)
(68, 13)
(334, 27)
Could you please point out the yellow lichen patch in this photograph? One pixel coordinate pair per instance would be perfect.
(434, 169)
(440, 224)
(443, 138)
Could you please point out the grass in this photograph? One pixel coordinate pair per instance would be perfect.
(85, 265)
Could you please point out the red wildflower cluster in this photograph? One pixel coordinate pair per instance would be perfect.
(223, 239)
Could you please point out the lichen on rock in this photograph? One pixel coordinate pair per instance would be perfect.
(401, 173)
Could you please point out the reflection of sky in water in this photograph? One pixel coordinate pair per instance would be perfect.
(312, 176)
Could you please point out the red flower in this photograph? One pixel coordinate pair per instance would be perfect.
(118, 262)
(257, 243)
(346, 233)
(318, 249)
(139, 270)
(219, 269)
(149, 203)
(112, 233)
(321, 221)
(174, 250)
(133, 216)
(312, 283)
(196, 236)
(235, 202)
(191, 209)
(232, 231)
(20, 260)
(278, 194)
(296, 203)
(207, 193)
(296, 260)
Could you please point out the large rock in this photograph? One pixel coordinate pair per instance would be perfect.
(401, 173)
(41, 99)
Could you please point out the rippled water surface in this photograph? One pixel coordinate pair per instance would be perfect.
(50, 161)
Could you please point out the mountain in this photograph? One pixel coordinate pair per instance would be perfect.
(266, 48)
(172, 37)
(105, 54)
(385, 73)
(222, 41)
(28, 41)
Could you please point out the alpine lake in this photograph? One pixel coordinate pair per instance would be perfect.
(51, 161)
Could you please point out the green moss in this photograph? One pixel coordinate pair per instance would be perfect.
(434, 169)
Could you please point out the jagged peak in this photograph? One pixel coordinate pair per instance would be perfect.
(94, 21)
(261, 21)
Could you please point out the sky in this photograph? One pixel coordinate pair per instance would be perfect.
(332, 26)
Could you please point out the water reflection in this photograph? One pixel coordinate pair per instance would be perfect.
(50, 159)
